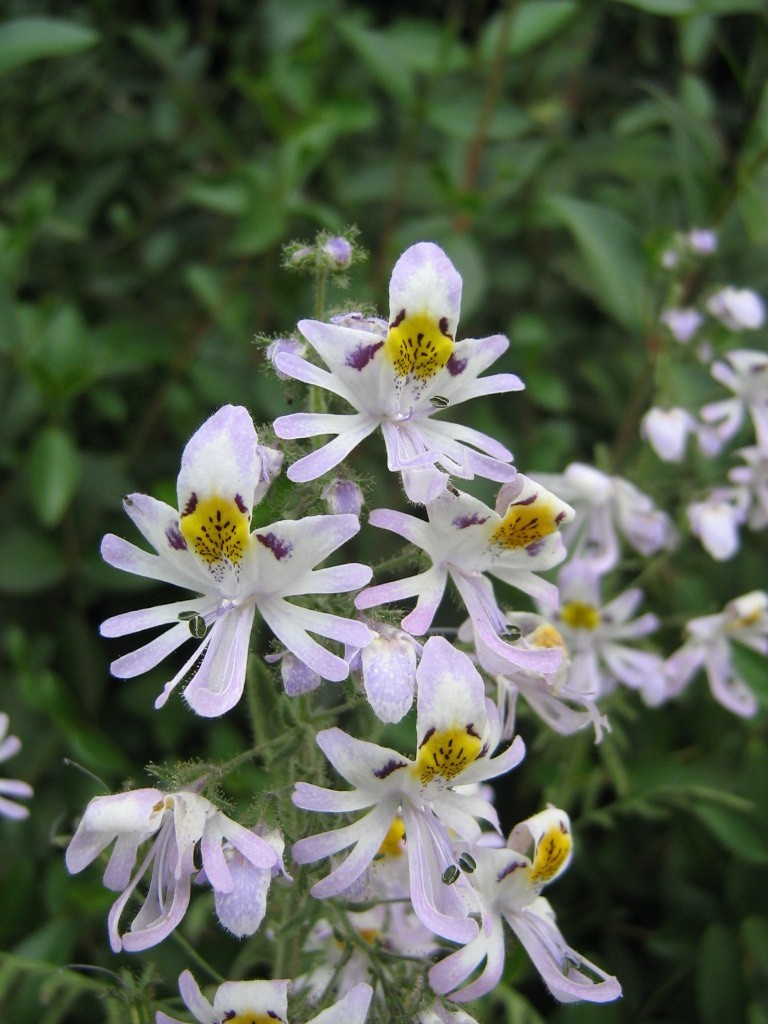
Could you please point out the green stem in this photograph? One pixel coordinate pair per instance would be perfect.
(193, 954)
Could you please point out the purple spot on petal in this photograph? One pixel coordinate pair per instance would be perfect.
(456, 366)
(462, 522)
(427, 735)
(279, 548)
(241, 504)
(534, 548)
(510, 868)
(362, 355)
(398, 319)
(443, 325)
(389, 767)
(471, 731)
(175, 539)
(525, 501)
(191, 505)
(560, 517)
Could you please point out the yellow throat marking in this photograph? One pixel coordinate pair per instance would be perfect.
(417, 346)
(551, 855)
(392, 843)
(578, 615)
(217, 529)
(250, 1018)
(546, 636)
(446, 754)
(524, 524)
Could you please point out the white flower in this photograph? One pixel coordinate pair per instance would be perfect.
(745, 373)
(398, 377)
(682, 323)
(667, 431)
(207, 547)
(739, 309)
(708, 645)
(716, 520)
(9, 747)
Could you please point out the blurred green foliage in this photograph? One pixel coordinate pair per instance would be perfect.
(154, 158)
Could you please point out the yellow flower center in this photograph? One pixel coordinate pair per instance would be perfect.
(551, 855)
(546, 636)
(369, 935)
(525, 523)
(578, 615)
(419, 346)
(392, 844)
(446, 754)
(249, 1018)
(216, 528)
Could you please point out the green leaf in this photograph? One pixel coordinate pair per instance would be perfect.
(54, 470)
(719, 981)
(535, 22)
(740, 833)
(29, 562)
(612, 255)
(26, 39)
(685, 8)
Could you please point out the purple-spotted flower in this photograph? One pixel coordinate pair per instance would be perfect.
(207, 547)
(707, 645)
(465, 539)
(457, 731)
(607, 506)
(178, 822)
(397, 376)
(254, 1002)
(9, 747)
(508, 883)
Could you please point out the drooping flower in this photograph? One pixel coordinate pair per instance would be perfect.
(707, 645)
(745, 373)
(605, 507)
(667, 431)
(508, 883)
(397, 376)
(466, 539)
(178, 821)
(716, 520)
(9, 747)
(738, 309)
(388, 667)
(457, 731)
(259, 1002)
(207, 547)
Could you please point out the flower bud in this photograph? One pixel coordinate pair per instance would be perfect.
(343, 497)
(339, 252)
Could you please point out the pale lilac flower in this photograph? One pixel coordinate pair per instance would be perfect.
(716, 520)
(397, 377)
(178, 821)
(343, 497)
(457, 731)
(251, 1002)
(9, 747)
(605, 507)
(207, 548)
(555, 699)
(738, 309)
(682, 323)
(745, 374)
(669, 259)
(702, 241)
(598, 637)
(707, 645)
(241, 909)
(667, 431)
(753, 479)
(466, 539)
(437, 1013)
(388, 668)
(508, 883)
(290, 345)
(339, 252)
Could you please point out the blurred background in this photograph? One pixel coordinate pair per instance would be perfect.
(154, 159)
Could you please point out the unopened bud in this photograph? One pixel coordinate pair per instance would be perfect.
(343, 497)
(339, 252)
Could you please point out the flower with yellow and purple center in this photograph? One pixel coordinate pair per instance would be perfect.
(466, 539)
(457, 730)
(397, 376)
(9, 747)
(262, 1002)
(508, 884)
(596, 634)
(707, 645)
(606, 507)
(207, 547)
(179, 822)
